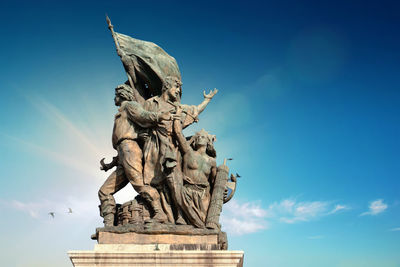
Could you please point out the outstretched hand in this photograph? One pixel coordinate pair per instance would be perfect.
(211, 94)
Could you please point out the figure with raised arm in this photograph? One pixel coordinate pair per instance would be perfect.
(159, 145)
(190, 185)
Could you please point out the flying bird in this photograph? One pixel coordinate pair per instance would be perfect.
(229, 158)
(69, 210)
(237, 175)
(52, 213)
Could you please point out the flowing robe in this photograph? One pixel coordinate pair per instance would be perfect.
(159, 144)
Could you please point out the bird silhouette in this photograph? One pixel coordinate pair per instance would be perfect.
(69, 210)
(229, 158)
(237, 175)
(52, 213)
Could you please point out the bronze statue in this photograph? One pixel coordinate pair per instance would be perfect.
(191, 181)
(176, 177)
(130, 121)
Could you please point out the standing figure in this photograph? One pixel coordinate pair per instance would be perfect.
(160, 144)
(191, 187)
(130, 121)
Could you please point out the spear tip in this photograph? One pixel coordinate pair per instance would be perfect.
(108, 20)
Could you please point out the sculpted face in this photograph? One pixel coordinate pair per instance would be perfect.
(202, 140)
(174, 92)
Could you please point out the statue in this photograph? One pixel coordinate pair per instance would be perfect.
(191, 182)
(180, 188)
(126, 132)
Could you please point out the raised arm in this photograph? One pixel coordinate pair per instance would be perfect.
(183, 144)
(207, 99)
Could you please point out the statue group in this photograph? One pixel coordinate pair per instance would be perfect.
(176, 177)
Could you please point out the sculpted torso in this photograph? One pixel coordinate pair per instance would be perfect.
(197, 167)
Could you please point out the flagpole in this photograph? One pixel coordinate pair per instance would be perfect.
(115, 38)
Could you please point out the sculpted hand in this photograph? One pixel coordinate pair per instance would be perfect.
(178, 112)
(166, 115)
(211, 94)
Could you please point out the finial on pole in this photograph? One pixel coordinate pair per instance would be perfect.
(110, 26)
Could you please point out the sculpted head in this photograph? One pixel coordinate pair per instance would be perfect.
(172, 87)
(203, 138)
(123, 93)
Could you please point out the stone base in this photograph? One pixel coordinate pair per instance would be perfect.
(175, 236)
(157, 245)
(139, 238)
(114, 255)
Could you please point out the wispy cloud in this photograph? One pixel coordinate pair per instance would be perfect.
(241, 226)
(30, 208)
(248, 209)
(75, 143)
(395, 229)
(63, 122)
(291, 211)
(75, 162)
(83, 208)
(338, 208)
(375, 207)
(239, 219)
(249, 217)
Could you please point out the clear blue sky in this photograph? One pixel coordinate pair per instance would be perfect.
(308, 106)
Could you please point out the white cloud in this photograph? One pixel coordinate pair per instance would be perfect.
(249, 217)
(246, 209)
(246, 218)
(376, 207)
(291, 211)
(240, 226)
(395, 229)
(305, 211)
(338, 208)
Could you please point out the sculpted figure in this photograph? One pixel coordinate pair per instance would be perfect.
(177, 179)
(160, 143)
(130, 121)
(190, 187)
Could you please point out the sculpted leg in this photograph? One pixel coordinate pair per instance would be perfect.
(174, 182)
(115, 182)
(132, 163)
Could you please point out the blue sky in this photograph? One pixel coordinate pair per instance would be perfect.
(308, 106)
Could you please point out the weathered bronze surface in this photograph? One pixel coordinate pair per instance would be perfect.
(180, 188)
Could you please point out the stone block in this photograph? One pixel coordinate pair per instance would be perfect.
(129, 256)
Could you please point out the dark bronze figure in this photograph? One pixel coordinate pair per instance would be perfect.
(176, 177)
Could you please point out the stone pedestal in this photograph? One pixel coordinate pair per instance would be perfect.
(141, 255)
(154, 245)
